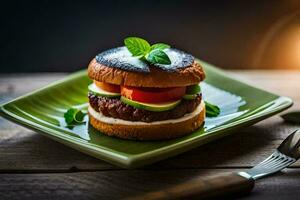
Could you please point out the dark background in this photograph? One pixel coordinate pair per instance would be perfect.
(63, 36)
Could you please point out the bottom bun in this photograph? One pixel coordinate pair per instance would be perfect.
(148, 131)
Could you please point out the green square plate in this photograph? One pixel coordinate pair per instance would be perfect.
(241, 105)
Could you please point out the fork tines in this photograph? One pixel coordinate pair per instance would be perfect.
(276, 162)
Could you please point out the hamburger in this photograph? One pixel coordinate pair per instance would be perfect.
(151, 96)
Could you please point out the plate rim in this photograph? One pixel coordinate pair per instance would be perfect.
(134, 161)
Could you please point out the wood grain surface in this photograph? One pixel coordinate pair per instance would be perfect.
(35, 167)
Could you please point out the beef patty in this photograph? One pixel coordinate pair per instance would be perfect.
(114, 107)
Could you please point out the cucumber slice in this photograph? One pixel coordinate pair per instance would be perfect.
(189, 96)
(99, 92)
(149, 106)
(193, 89)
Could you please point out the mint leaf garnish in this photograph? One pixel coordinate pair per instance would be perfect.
(137, 46)
(160, 46)
(211, 109)
(73, 116)
(158, 56)
(142, 49)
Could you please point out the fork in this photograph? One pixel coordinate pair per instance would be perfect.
(236, 183)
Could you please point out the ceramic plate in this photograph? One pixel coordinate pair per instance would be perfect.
(42, 110)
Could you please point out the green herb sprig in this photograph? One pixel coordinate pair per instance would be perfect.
(211, 109)
(152, 53)
(74, 116)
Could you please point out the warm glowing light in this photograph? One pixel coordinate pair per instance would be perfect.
(280, 47)
(287, 53)
(294, 46)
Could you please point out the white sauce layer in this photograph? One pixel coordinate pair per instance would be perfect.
(109, 120)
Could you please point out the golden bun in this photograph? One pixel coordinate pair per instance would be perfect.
(189, 75)
(150, 132)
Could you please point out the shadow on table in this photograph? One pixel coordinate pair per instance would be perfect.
(244, 148)
(29, 152)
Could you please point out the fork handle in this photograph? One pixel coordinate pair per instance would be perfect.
(224, 185)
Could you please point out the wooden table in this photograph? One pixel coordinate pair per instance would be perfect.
(35, 167)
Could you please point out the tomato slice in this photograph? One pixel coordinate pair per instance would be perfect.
(153, 95)
(108, 87)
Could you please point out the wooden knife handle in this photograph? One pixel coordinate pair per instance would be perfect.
(224, 185)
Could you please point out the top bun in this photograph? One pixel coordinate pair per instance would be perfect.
(116, 66)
